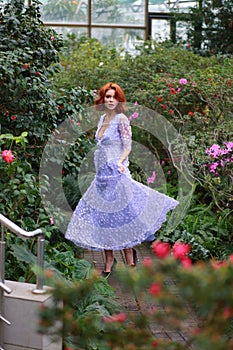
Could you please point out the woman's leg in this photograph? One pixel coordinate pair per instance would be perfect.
(129, 256)
(108, 260)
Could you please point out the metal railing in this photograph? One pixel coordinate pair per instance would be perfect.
(39, 289)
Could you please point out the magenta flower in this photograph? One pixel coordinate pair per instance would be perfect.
(133, 116)
(213, 167)
(214, 150)
(229, 145)
(183, 81)
(151, 179)
(7, 156)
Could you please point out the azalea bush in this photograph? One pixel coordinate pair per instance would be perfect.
(205, 287)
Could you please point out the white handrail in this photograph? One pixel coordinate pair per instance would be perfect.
(24, 234)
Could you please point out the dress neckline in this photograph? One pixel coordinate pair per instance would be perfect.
(103, 117)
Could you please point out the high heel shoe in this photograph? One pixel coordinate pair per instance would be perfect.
(106, 274)
(135, 258)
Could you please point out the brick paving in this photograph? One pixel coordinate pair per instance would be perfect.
(130, 302)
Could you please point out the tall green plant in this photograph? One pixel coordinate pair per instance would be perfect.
(210, 31)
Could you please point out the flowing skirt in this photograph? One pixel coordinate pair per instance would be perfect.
(117, 212)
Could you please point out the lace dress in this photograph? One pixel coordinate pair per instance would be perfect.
(116, 211)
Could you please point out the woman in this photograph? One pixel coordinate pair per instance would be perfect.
(116, 212)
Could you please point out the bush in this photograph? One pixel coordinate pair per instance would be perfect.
(206, 287)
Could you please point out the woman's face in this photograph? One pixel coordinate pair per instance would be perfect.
(110, 100)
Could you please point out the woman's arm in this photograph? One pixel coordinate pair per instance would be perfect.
(126, 138)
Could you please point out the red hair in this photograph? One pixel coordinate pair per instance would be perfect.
(119, 95)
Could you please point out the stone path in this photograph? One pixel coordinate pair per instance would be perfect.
(129, 301)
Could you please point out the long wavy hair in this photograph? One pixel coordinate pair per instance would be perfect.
(119, 95)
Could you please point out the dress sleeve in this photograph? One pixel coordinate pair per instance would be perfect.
(125, 133)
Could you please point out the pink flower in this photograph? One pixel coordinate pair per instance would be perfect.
(169, 172)
(213, 167)
(52, 38)
(7, 156)
(229, 145)
(151, 179)
(214, 150)
(155, 289)
(135, 103)
(183, 81)
(133, 116)
(161, 249)
(51, 221)
(180, 250)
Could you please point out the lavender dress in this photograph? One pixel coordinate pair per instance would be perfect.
(116, 211)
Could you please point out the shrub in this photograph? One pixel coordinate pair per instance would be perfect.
(205, 286)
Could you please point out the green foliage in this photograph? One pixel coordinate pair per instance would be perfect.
(207, 286)
(29, 56)
(86, 300)
(211, 27)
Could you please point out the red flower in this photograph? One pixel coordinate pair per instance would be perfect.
(120, 318)
(171, 111)
(13, 117)
(38, 73)
(227, 312)
(155, 343)
(191, 114)
(159, 99)
(155, 289)
(26, 65)
(173, 91)
(180, 250)
(161, 249)
(217, 264)
(7, 156)
(186, 262)
(188, 46)
(163, 106)
(147, 262)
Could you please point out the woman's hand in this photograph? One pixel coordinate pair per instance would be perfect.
(121, 167)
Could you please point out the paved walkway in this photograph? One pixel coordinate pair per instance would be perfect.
(129, 301)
